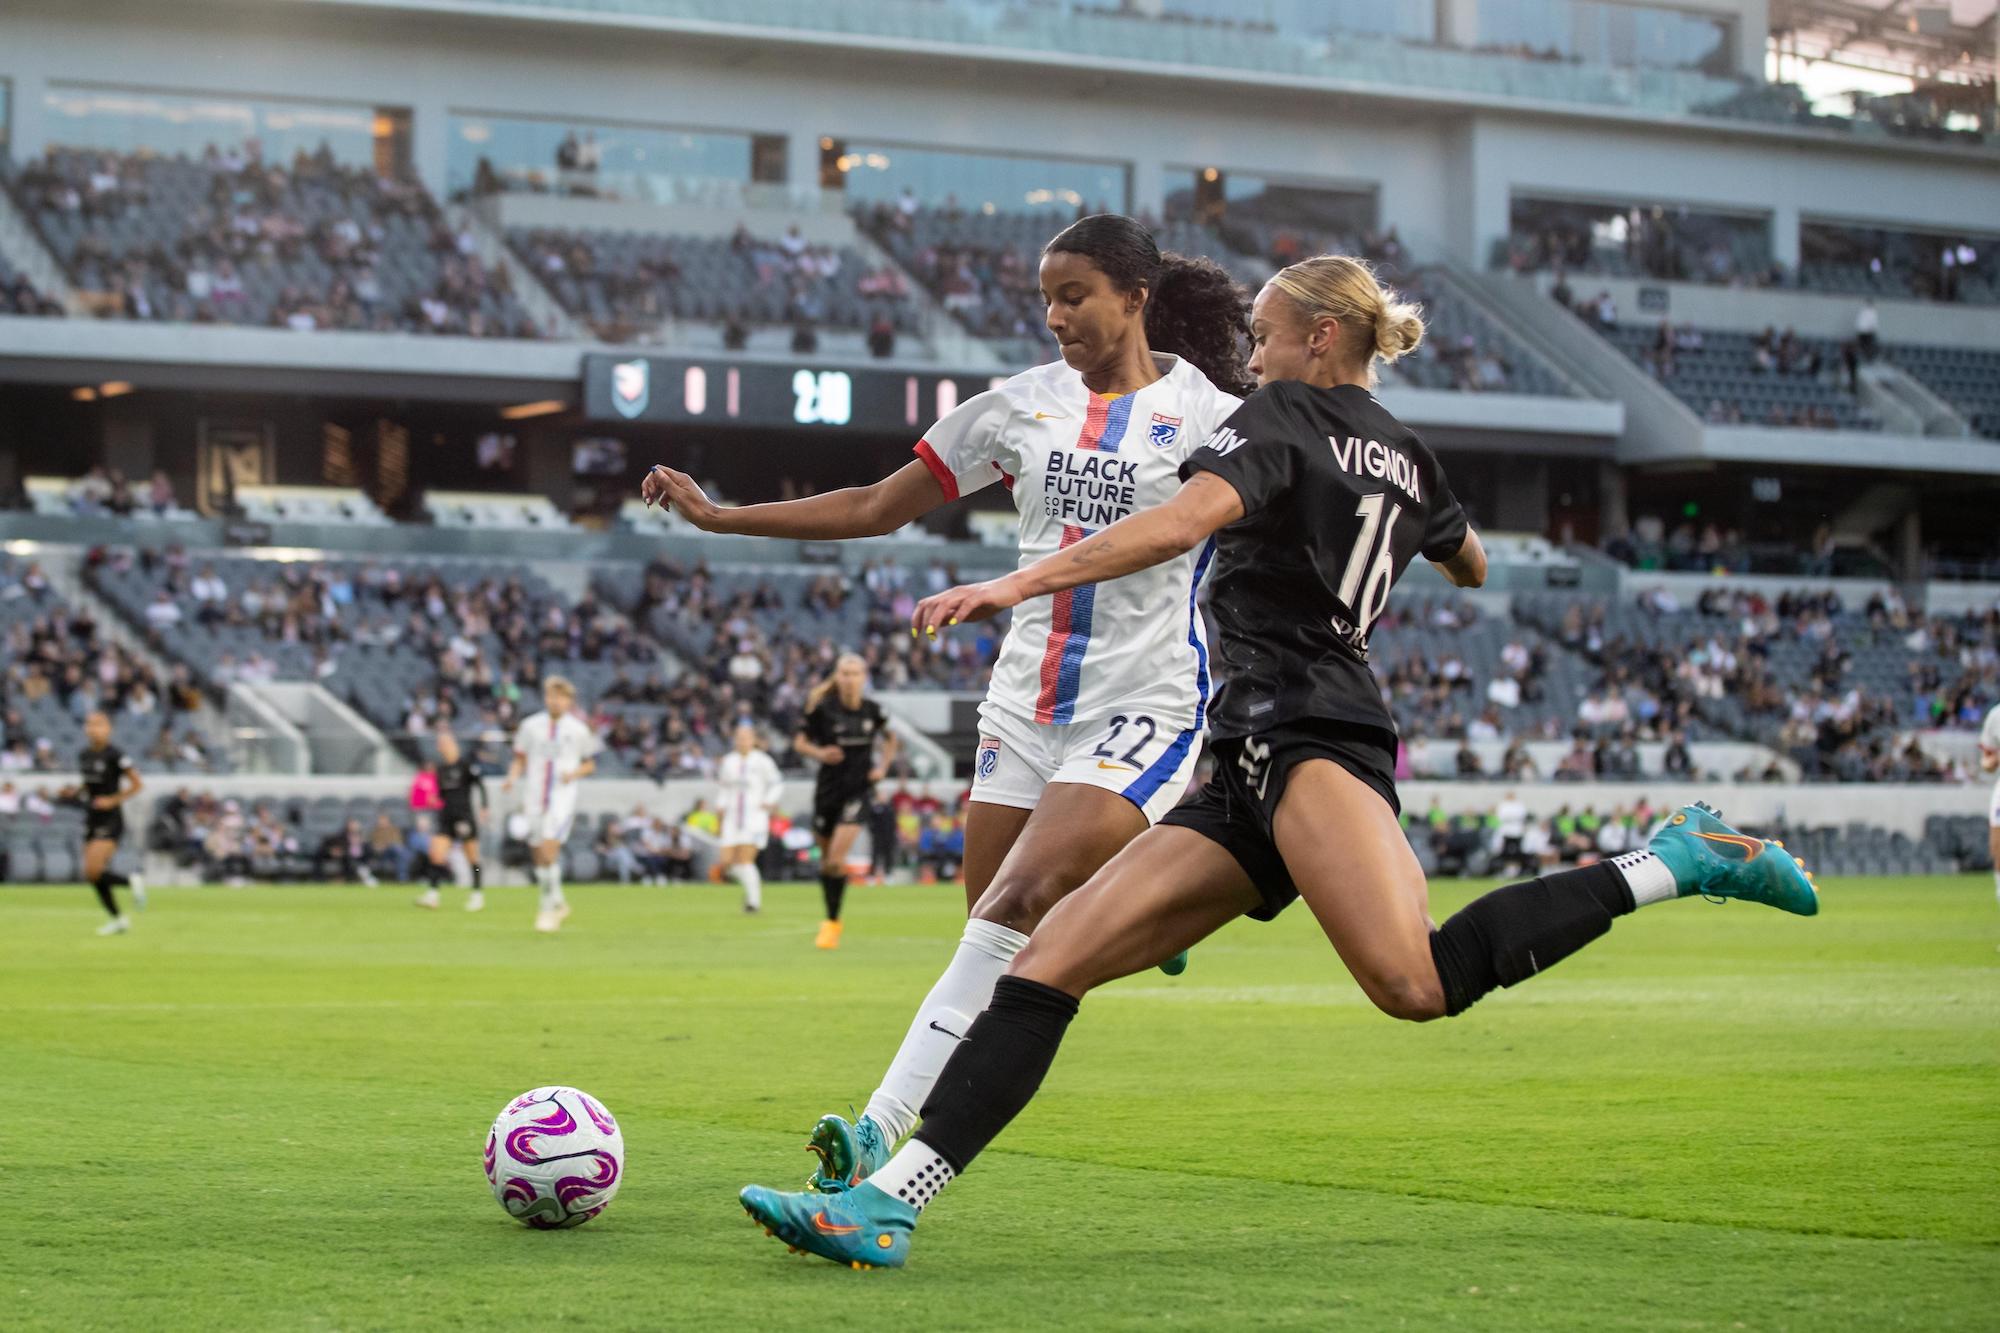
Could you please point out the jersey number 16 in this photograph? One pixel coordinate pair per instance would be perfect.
(1380, 570)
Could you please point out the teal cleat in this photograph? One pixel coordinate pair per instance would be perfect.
(1176, 965)
(848, 1154)
(862, 1227)
(1710, 858)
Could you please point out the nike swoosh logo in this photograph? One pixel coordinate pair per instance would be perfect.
(1052, 416)
(1751, 846)
(828, 1227)
(948, 1032)
(1117, 768)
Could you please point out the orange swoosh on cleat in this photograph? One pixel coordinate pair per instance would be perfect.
(830, 1228)
(1752, 847)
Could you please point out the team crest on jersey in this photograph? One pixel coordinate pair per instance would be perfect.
(631, 388)
(989, 757)
(1166, 430)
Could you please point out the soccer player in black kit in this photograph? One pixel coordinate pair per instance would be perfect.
(458, 822)
(1319, 499)
(109, 780)
(841, 726)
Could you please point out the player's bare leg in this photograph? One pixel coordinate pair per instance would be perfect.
(833, 853)
(97, 872)
(990, 833)
(548, 872)
(435, 858)
(740, 864)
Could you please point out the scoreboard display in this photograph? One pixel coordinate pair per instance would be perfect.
(665, 389)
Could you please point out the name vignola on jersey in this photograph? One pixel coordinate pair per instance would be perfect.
(1363, 458)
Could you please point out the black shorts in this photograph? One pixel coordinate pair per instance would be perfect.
(1236, 808)
(833, 808)
(458, 824)
(100, 825)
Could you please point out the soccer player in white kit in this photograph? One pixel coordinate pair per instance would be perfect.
(749, 784)
(1989, 762)
(553, 750)
(1091, 726)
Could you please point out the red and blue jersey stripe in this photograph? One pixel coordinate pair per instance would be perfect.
(1070, 615)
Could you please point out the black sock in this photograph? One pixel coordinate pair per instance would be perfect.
(1512, 933)
(833, 888)
(115, 880)
(475, 877)
(433, 874)
(996, 1070)
(104, 895)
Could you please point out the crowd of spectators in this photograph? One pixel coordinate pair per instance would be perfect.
(108, 491)
(19, 296)
(53, 654)
(1511, 842)
(331, 243)
(1833, 723)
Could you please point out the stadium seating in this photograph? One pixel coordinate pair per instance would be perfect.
(315, 246)
(479, 509)
(18, 296)
(1720, 377)
(309, 504)
(626, 283)
(1969, 380)
(55, 666)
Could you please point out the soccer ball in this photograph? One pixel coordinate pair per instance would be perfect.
(554, 1158)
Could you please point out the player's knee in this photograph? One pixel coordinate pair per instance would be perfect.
(1019, 900)
(1414, 999)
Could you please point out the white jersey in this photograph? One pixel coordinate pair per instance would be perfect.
(1989, 734)
(1078, 462)
(551, 748)
(749, 786)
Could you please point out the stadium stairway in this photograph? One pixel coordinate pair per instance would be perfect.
(497, 254)
(1907, 405)
(22, 247)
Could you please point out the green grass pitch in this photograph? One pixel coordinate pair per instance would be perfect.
(264, 1109)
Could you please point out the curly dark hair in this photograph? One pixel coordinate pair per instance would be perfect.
(1194, 309)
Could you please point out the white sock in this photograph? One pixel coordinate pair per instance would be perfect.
(746, 874)
(915, 1175)
(461, 869)
(959, 996)
(1647, 876)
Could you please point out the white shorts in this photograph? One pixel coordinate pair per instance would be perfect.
(1146, 762)
(550, 821)
(1993, 812)
(753, 830)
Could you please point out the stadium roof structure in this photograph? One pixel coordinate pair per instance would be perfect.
(1927, 41)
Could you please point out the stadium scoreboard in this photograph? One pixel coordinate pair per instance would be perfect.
(659, 390)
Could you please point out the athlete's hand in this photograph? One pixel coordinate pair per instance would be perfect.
(104, 803)
(669, 489)
(830, 754)
(565, 778)
(877, 774)
(967, 602)
(507, 786)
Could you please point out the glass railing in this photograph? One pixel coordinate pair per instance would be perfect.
(1265, 43)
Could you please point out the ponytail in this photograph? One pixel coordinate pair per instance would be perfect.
(817, 695)
(1202, 315)
(1375, 323)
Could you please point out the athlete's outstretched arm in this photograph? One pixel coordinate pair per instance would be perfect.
(904, 496)
(1467, 569)
(1150, 537)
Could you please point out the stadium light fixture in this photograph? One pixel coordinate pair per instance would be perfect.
(84, 393)
(522, 411)
(114, 388)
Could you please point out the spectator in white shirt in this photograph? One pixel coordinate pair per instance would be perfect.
(164, 613)
(1504, 691)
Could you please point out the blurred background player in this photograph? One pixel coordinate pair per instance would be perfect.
(841, 728)
(110, 779)
(749, 785)
(1989, 762)
(553, 750)
(458, 782)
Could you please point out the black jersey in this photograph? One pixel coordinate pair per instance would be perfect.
(1338, 498)
(456, 784)
(103, 772)
(855, 731)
